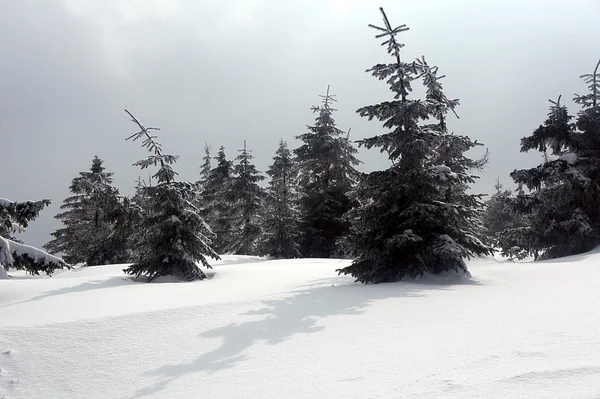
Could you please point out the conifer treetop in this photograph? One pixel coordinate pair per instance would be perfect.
(165, 174)
(436, 98)
(399, 84)
(206, 166)
(327, 98)
(593, 80)
(393, 46)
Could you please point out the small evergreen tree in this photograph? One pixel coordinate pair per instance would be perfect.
(281, 238)
(248, 199)
(15, 218)
(89, 218)
(326, 164)
(172, 236)
(218, 197)
(416, 216)
(207, 165)
(561, 209)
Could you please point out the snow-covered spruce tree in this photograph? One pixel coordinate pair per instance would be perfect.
(172, 237)
(89, 218)
(498, 215)
(561, 209)
(217, 195)
(205, 169)
(414, 217)
(206, 165)
(14, 218)
(281, 238)
(248, 199)
(326, 164)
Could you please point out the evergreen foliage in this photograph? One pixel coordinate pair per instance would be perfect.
(414, 217)
(498, 215)
(201, 201)
(206, 165)
(562, 208)
(326, 164)
(218, 198)
(89, 219)
(172, 237)
(247, 200)
(281, 238)
(15, 218)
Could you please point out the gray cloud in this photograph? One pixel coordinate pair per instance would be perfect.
(224, 71)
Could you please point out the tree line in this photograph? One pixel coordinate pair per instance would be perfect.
(415, 217)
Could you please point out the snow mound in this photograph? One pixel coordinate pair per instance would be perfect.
(295, 329)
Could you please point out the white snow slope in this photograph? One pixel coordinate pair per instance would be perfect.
(294, 329)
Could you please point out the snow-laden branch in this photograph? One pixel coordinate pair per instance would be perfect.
(28, 258)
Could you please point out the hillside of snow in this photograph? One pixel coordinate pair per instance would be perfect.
(294, 329)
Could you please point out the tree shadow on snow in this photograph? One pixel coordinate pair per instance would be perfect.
(228, 260)
(83, 287)
(280, 319)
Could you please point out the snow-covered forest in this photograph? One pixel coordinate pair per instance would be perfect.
(416, 217)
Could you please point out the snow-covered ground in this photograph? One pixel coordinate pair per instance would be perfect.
(294, 329)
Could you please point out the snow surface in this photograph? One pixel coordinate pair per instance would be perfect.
(294, 329)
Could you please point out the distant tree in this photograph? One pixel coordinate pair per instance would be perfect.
(414, 217)
(498, 215)
(15, 218)
(561, 210)
(206, 165)
(281, 236)
(172, 237)
(217, 195)
(201, 199)
(248, 197)
(326, 164)
(89, 218)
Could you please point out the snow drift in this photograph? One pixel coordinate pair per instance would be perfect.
(294, 329)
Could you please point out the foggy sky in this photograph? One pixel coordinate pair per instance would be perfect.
(224, 71)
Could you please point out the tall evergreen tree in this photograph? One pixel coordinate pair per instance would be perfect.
(218, 197)
(281, 238)
(326, 164)
(561, 209)
(248, 197)
(172, 237)
(15, 218)
(205, 168)
(89, 218)
(415, 217)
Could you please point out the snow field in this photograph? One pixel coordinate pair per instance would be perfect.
(294, 329)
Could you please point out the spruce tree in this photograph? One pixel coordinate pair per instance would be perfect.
(218, 198)
(281, 237)
(561, 209)
(172, 237)
(414, 217)
(15, 218)
(326, 164)
(247, 200)
(498, 215)
(205, 169)
(89, 218)
(206, 165)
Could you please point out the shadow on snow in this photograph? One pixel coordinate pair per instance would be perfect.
(299, 313)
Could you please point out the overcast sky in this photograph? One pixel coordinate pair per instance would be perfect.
(224, 71)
